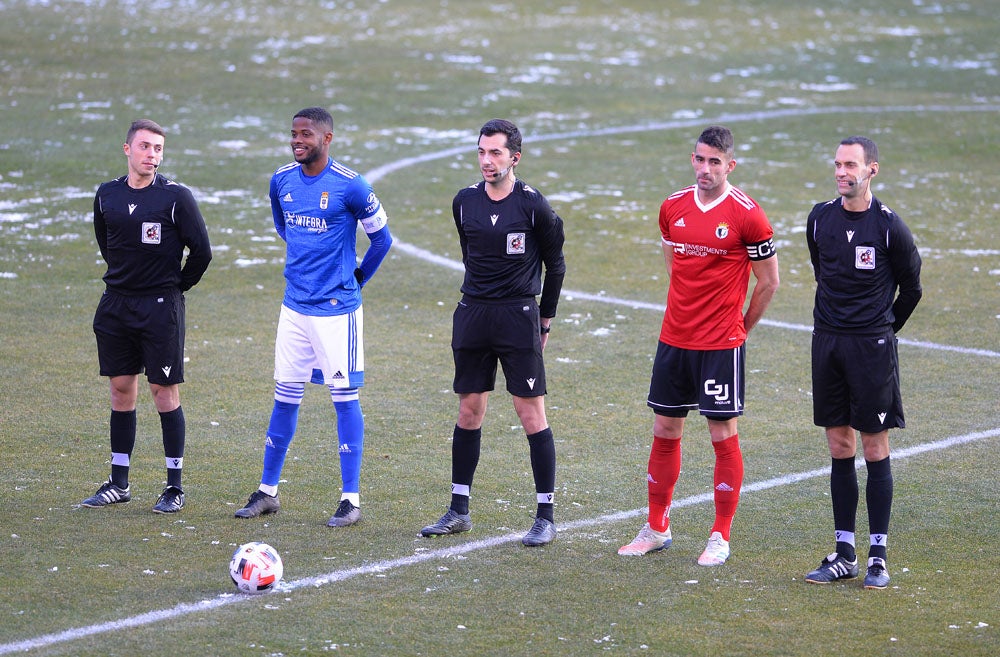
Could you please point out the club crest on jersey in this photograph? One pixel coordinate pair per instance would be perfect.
(515, 243)
(864, 257)
(722, 231)
(150, 232)
(324, 201)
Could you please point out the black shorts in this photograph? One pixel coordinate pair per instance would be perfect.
(855, 381)
(711, 382)
(507, 331)
(141, 333)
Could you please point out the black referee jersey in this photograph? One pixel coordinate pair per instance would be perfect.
(142, 234)
(860, 260)
(504, 244)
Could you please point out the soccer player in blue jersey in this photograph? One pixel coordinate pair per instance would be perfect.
(317, 205)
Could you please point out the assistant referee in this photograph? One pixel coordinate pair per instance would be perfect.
(143, 223)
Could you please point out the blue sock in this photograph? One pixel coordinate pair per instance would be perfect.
(280, 431)
(351, 436)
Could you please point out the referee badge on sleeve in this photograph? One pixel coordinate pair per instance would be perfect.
(864, 257)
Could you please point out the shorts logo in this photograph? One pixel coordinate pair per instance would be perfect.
(864, 257)
(515, 243)
(720, 392)
(150, 232)
(166, 370)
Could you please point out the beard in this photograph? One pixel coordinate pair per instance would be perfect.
(311, 156)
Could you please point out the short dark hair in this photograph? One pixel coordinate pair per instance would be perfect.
(144, 124)
(317, 115)
(870, 147)
(505, 127)
(718, 137)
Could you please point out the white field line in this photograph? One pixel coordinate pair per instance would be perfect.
(222, 600)
(766, 115)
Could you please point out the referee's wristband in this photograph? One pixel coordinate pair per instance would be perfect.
(544, 329)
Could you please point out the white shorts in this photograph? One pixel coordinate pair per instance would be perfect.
(333, 345)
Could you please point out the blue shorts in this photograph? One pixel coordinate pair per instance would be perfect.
(710, 382)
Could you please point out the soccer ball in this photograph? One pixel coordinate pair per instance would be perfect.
(255, 568)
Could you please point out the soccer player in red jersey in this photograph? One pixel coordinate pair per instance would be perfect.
(714, 237)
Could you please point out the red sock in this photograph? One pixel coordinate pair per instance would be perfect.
(728, 480)
(664, 469)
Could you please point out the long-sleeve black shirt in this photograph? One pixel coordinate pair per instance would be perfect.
(860, 260)
(505, 243)
(142, 234)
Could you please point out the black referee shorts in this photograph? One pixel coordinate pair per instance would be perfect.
(855, 381)
(484, 333)
(141, 333)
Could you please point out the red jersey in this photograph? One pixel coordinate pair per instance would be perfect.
(713, 245)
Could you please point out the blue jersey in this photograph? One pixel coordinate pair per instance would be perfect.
(318, 216)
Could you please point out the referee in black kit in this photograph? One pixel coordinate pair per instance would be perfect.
(507, 232)
(143, 223)
(867, 272)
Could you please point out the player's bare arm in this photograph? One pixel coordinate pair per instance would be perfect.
(766, 274)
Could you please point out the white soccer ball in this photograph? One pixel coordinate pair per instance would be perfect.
(255, 567)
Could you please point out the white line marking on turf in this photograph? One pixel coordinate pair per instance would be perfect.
(471, 546)
(447, 552)
(428, 256)
(433, 258)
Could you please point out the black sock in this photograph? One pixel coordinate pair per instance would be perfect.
(465, 447)
(122, 426)
(543, 468)
(173, 426)
(878, 496)
(844, 495)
